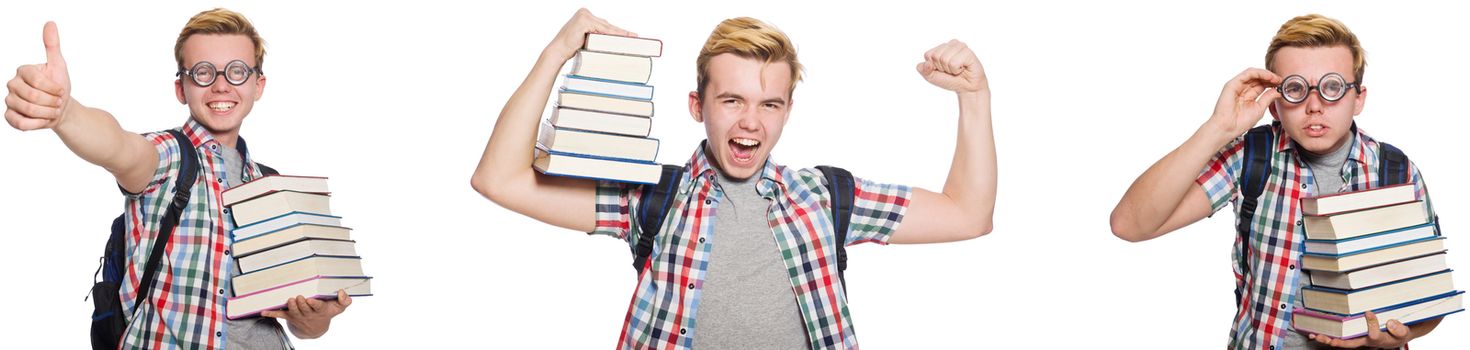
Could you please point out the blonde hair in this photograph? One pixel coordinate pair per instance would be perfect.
(1315, 30)
(748, 38)
(222, 22)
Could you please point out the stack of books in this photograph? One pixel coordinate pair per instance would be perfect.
(600, 126)
(287, 243)
(1376, 250)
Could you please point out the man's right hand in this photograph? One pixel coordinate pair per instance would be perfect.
(40, 93)
(1243, 101)
(574, 34)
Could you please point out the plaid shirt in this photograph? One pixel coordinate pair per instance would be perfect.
(1266, 267)
(661, 313)
(187, 306)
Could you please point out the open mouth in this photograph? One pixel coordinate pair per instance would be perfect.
(1316, 130)
(221, 107)
(743, 150)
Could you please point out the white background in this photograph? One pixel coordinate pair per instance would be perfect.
(394, 102)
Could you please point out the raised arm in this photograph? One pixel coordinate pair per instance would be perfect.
(505, 175)
(1166, 197)
(40, 98)
(964, 209)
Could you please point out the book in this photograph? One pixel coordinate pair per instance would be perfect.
(272, 183)
(1354, 261)
(1347, 302)
(597, 144)
(1350, 201)
(1353, 326)
(611, 123)
(607, 87)
(271, 205)
(317, 287)
(590, 102)
(624, 68)
(1373, 220)
(582, 166)
(1376, 275)
(624, 45)
(288, 235)
(281, 222)
(294, 251)
(315, 265)
(1367, 242)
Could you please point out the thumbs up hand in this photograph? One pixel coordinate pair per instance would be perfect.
(40, 93)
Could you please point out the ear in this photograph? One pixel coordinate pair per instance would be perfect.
(259, 86)
(695, 106)
(1360, 99)
(1272, 107)
(179, 91)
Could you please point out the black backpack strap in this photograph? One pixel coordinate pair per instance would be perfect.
(1255, 169)
(653, 208)
(183, 185)
(1393, 165)
(840, 184)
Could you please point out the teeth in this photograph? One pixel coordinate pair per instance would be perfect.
(747, 142)
(222, 106)
(1315, 127)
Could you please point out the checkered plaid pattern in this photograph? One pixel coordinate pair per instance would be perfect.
(187, 307)
(1266, 263)
(661, 313)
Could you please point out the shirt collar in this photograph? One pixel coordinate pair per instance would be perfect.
(202, 139)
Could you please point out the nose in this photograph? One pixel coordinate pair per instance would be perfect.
(220, 85)
(1314, 103)
(748, 121)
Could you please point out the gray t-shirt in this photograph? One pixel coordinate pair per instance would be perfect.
(1327, 174)
(253, 332)
(747, 301)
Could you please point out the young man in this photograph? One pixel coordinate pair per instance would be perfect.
(1316, 149)
(219, 56)
(748, 245)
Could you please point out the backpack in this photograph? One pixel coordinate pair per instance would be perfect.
(109, 321)
(657, 199)
(1256, 168)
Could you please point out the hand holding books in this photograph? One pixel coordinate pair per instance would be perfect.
(308, 317)
(573, 35)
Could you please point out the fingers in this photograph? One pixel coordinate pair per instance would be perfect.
(343, 299)
(1397, 329)
(313, 305)
(29, 93)
(32, 76)
(31, 110)
(272, 314)
(601, 26)
(1373, 332)
(52, 40)
(22, 123)
(294, 307)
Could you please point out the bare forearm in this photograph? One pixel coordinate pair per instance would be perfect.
(971, 184)
(95, 136)
(1158, 193)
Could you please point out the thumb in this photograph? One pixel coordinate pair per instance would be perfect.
(53, 45)
(926, 68)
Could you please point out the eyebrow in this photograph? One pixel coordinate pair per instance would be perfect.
(780, 100)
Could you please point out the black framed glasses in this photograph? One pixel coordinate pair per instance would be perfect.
(204, 73)
(1331, 87)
